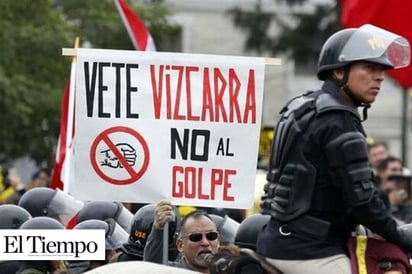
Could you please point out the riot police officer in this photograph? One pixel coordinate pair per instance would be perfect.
(40, 266)
(102, 210)
(115, 237)
(141, 226)
(12, 217)
(319, 182)
(54, 203)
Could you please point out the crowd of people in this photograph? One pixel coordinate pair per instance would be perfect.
(193, 239)
(327, 191)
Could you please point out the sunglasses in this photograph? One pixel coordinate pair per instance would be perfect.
(197, 236)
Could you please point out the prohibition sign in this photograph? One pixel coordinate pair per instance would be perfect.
(135, 175)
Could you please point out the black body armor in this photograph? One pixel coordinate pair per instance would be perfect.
(291, 177)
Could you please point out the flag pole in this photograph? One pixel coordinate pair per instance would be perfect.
(165, 256)
(405, 127)
(270, 61)
(70, 121)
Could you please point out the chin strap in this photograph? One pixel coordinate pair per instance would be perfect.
(365, 111)
(344, 85)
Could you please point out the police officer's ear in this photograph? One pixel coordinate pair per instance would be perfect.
(338, 74)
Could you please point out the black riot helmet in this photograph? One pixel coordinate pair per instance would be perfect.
(227, 228)
(54, 203)
(12, 216)
(366, 43)
(37, 201)
(41, 222)
(102, 210)
(141, 226)
(249, 229)
(142, 223)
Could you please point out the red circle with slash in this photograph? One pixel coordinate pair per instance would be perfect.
(135, 175)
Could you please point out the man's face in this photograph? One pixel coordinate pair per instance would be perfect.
(393, 168)
(377, 154)
(196, 251)
(365, 80)
(399, 190)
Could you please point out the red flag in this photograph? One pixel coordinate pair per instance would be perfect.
(60, 176)
(56, 181)
(391, 15)
(140, 36)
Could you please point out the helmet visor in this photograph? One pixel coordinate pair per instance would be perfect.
(124, 219)
(63, 207)
(228, 230)
(116, 238)
(373, 44)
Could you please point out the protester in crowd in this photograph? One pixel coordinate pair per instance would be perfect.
(197, 238)
(41, 178)
(387, 167)
(377, 151)
(399, 194)
(173, 223)
(320, 182)
(11, 186)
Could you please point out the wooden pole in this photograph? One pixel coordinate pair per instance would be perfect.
(405, 127)
(268, 61)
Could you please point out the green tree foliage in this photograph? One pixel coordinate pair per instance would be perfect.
(33, 71)
(299, 36)
(98, 22)
(32, 76)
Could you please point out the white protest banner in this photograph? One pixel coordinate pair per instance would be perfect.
(155, 125)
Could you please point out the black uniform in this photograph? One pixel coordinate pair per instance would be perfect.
(34, 267)
(128, 252)
(9, 267)
(319, 182)
(403, 212)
